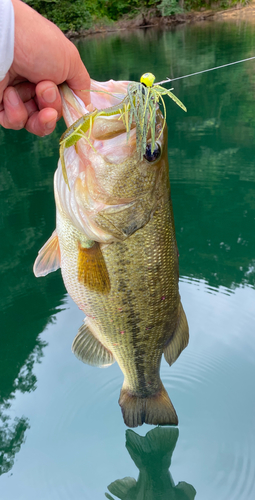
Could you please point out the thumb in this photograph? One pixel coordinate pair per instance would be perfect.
(78, 78)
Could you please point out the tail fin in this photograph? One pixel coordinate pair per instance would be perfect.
(154, 410)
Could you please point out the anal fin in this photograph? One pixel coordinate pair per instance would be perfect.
(92, 270)
(88, 348)
(48, 259)
(179, 339)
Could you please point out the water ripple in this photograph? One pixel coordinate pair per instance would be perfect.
(237, 479)
(82, 402)
(196, 368)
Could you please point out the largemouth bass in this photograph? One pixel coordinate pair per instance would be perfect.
(116, 247)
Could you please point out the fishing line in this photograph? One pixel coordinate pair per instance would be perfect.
(205, 70)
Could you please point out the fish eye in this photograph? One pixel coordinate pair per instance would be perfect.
(152, 156)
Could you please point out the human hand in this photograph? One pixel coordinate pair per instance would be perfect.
(43, 59)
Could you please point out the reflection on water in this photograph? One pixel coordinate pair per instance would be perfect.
(12, 432)
(77, 431)
(212, 173)
(152, 455)
(11, 439)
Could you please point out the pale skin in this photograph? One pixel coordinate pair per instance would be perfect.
(43, 59)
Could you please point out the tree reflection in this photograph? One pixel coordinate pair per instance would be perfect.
(11, 438)
(152, 455)
(12, 433)
(26, 304)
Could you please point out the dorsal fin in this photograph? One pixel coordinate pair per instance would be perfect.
(92, 270)
(48, 259)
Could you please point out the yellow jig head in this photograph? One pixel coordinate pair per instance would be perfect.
(147, 79)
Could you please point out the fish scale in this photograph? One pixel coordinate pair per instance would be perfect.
(153, 274)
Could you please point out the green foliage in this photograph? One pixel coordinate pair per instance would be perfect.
(77, 14)
(80, 14)
(68, 15)
(117, 8)
(170, 7)
(208, 4)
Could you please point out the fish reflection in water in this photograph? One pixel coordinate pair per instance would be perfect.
(115, 243)
(152, 455)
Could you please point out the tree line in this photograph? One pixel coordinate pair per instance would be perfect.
(78, 15)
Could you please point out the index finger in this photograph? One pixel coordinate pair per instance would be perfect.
(3, 85)
(13, 114)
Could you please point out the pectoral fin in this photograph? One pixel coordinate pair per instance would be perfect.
(92, 270)
(179, 339)
(48, 259)
(89, 349)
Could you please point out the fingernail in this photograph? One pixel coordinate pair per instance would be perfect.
(49, 126)
(13, 97)
(50, 95)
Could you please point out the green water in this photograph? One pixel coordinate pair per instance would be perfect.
(62, 435)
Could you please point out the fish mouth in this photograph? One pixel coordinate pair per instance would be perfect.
(96, 141)
(103, 95)
(108, 184)
(92, 160)
(110, 125)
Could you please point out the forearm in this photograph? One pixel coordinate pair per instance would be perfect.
(6, 36)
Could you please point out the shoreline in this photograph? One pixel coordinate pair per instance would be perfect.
(238, 12)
